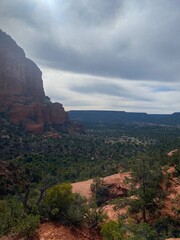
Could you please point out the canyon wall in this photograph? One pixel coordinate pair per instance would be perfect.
(22, 96)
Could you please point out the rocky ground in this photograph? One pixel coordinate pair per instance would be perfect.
(116, 186)
(50, 231)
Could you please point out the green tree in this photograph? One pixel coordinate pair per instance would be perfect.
(145, 182)
(142, 231)
(13, 219)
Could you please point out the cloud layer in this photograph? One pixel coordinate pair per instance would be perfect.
(118, 54)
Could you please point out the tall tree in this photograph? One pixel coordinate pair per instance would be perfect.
(145, 181)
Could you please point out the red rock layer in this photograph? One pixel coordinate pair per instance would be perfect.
(22, 95)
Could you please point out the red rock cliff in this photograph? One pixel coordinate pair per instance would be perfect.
(22, 95)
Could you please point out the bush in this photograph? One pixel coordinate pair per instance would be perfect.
(169, 226)
(57, 200)
(95, 217)
(77, 210)
(101, 192)
(113, 231)
(65, 206)
(14, 220)
(5, 218)
(129, 230)
(28, 226)
(11, 212)
(143, 231)
(102, 195)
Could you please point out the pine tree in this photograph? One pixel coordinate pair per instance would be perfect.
(145, 182)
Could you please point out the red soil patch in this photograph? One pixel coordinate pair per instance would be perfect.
(173, 239)
(117, 179)
(83, 188)
(172, 200)
(112, 213)
(171, 152)
(50, 231)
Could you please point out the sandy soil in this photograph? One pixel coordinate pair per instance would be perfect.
(112, 213)
(171, 152)
(117, 179)
(83, 188)
(172, 200)
(50, 231)
(173, 239)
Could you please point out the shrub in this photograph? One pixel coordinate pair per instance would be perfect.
(11, 212)
(77, 210)
(65, 206)
(113, 231)
(169, 226)
(5, 218)
(101, 192)
(102, 195)
(28, 226)
(143, 231)
(58, 199)
(95, 217)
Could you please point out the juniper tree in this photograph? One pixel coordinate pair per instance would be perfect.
(146, 186)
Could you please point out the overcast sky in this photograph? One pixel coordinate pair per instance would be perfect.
(102, 54)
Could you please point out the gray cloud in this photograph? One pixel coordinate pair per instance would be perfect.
(96, 13)
(103, 64)
(135, 40)
(109, 89)
(19, 11)
(129, 39)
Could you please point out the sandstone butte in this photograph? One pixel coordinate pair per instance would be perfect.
(22, 96)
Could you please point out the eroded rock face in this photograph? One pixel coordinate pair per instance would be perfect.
(117, 185)
(22, 95)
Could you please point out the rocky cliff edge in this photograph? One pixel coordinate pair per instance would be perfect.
(22, 97)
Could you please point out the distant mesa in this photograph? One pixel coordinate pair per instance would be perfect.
(91, 116)
(22, 97)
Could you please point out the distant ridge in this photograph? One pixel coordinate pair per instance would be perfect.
(123, 117)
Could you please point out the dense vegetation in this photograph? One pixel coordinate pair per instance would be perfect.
(98, 152)
(35, 171)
